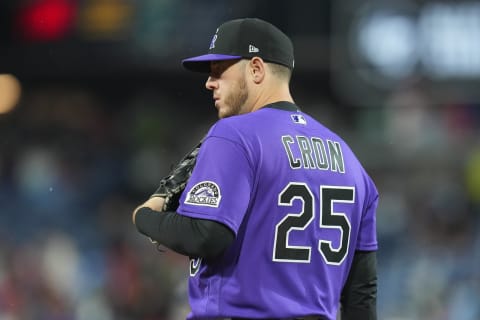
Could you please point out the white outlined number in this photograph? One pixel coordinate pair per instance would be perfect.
(329, 195)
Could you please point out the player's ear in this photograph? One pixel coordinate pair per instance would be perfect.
(257, 69)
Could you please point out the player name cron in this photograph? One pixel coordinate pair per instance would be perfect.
(313, 153)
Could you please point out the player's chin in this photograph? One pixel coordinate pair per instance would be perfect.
(222, 116)
(223, 113)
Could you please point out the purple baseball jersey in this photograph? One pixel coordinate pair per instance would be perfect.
(299, 203)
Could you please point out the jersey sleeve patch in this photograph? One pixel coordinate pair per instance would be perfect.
(204, 193)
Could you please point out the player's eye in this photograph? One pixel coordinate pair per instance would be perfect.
(215, 72)
(217, 68)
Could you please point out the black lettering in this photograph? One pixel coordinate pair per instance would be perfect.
(294, 163)
(320, 153)
(336, 156)
(306, 150)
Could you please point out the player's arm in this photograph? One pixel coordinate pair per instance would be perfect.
(199, 238)
(154, 203)
(359, 295)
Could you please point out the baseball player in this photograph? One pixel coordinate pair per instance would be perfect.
(274, 210)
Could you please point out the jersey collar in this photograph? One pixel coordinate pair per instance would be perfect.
(283, 105)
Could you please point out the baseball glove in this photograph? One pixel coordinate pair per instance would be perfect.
(172, 185)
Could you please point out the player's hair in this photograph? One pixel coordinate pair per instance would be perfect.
(281, 71)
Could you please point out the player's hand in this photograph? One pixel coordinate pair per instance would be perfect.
(154, 203)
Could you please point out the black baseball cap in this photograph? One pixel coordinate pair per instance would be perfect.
(245, 38)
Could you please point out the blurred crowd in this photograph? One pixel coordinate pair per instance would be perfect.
(75, 161)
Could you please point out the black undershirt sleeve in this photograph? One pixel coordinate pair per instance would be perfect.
(359, 295)
(197, 238)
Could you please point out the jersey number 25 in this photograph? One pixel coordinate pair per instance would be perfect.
(283, 252)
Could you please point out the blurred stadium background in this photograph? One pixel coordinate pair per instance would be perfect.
(95, 108)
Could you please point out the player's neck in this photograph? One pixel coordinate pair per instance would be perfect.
(271, 95)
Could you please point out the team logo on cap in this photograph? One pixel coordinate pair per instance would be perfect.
(212, 43)
(205, 193)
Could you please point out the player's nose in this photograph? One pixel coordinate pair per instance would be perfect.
(211, 83)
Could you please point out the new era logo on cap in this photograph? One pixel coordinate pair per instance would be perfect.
(252, 48)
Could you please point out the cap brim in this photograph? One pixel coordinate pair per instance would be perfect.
(202, 63)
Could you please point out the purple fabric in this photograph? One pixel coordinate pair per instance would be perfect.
(244, 165)
(211, 57)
